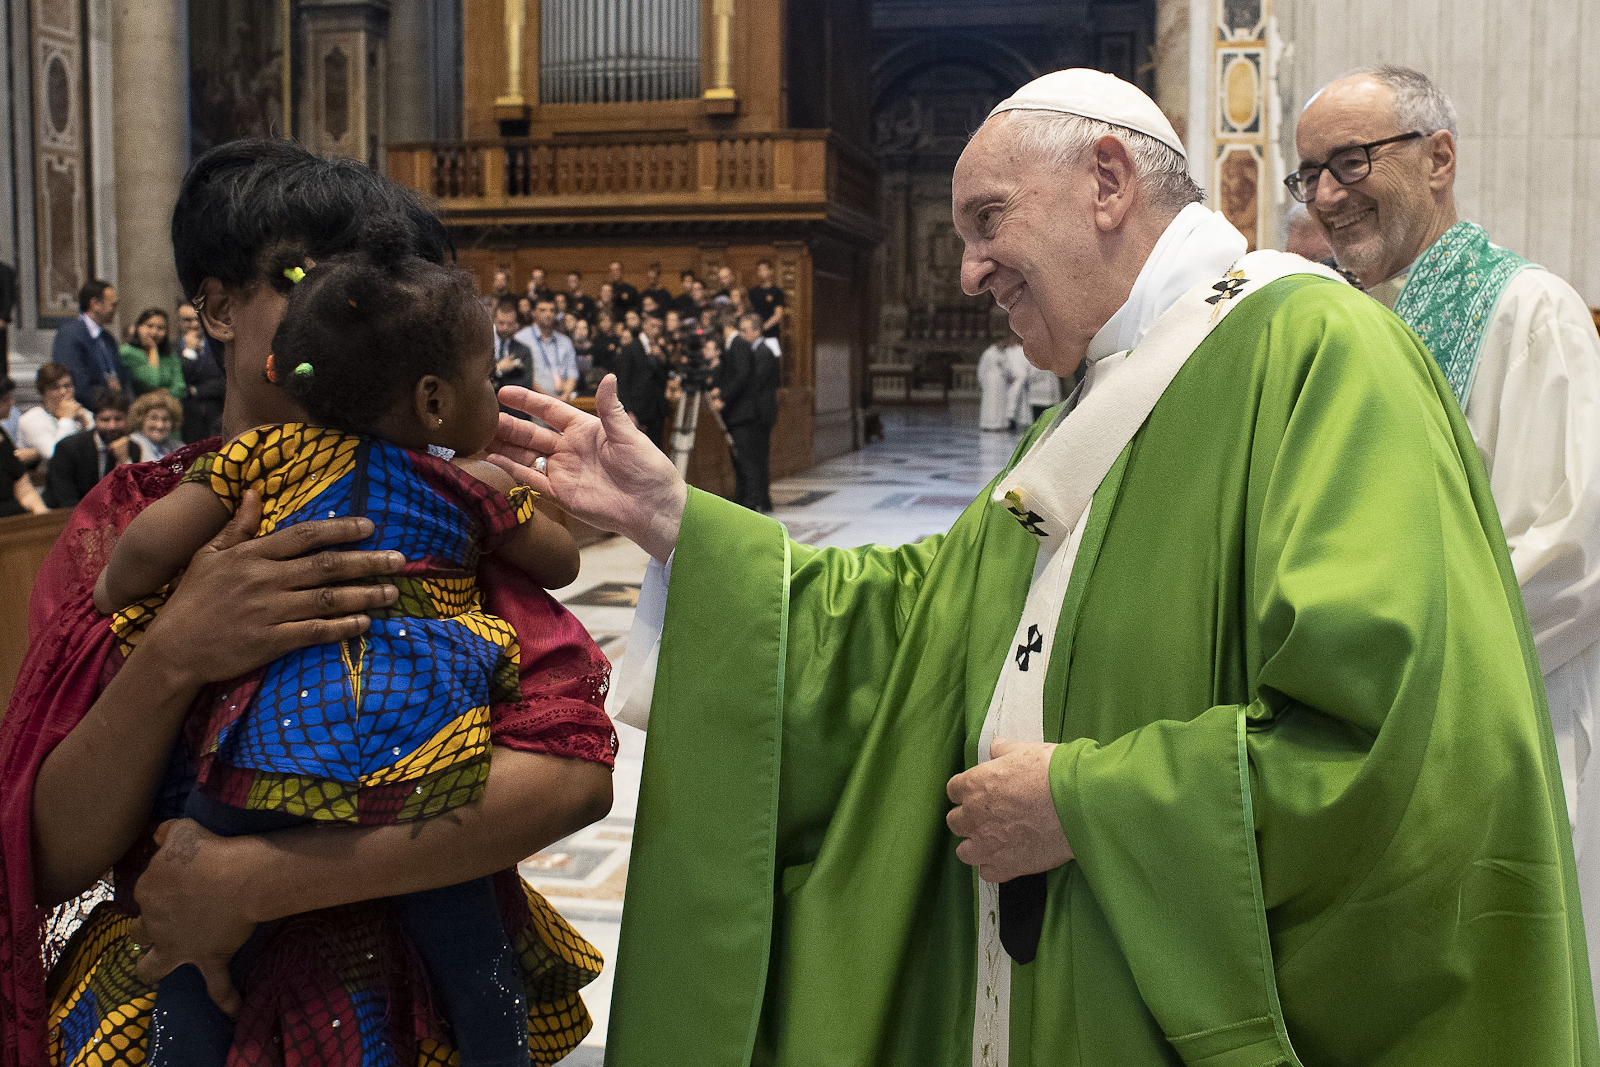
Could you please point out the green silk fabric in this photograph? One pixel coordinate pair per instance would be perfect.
(1304, 762)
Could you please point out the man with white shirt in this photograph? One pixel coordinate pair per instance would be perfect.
(80, 461)
(1522, 357)
(1226, 679)
(555, 361)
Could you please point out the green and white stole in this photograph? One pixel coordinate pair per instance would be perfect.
(1049, 492)
(1450, 296)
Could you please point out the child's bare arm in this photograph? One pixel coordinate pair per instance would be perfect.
(160, 543)
(541, 548)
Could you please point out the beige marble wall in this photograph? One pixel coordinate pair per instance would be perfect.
(1524, 78)
(1172, 62)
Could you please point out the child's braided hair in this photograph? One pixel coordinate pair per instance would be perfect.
(362, 328)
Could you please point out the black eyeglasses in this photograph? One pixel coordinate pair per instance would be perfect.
(1348, 166)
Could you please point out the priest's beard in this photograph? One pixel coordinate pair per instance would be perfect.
(1382, 245)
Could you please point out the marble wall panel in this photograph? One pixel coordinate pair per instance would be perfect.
(1420, 22)
(1552, 212)
(60, 157)
(1508, 190)
(1554, 110)
(1471, 154)
(1585, 272)
(1586, 92)
(1510, 65)
(1242, 71)
(1469, 34)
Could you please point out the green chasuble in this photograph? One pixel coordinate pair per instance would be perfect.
(1304, 763)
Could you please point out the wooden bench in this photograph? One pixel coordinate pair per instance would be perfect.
(24, 542)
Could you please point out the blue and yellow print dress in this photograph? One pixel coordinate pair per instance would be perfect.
(394, 725)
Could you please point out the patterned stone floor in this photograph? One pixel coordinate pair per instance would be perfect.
(914, 483)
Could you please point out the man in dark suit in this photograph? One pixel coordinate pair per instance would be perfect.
(8, 307)
(513, 362)
(87, 347)
(537, 290)
(655, 290)
(624, 297)
(741, 413)
(642, 386)
(685, 303)
(579, 302)
(84, 458)
(764, 384)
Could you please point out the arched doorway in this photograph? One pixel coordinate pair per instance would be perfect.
(928, 98)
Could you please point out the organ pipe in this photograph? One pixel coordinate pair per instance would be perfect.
(620, 51)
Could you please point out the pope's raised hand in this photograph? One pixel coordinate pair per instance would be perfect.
(602, 469)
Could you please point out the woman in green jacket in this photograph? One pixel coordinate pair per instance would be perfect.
(150, 358)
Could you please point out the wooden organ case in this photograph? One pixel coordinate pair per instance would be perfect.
(691, 133)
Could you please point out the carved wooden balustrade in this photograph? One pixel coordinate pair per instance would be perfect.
(788, 174)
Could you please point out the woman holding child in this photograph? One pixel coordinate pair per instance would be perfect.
(102, 743)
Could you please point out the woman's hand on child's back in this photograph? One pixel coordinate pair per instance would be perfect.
(245, 600)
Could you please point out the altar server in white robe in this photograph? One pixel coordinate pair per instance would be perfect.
(1018, 367)
(1519, 348)
(994, 387)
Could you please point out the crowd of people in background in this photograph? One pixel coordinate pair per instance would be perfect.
(723, 343)
(104, 402)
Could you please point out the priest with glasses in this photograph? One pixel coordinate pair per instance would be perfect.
(1520, 351)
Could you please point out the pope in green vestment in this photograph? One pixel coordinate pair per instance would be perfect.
(1304, 766)
(1301, 752)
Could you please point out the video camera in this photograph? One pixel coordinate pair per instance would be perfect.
(696, 378)
(691, 370)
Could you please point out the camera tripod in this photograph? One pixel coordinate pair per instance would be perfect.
(686, 423)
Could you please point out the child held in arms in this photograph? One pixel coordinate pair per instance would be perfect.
(390, 356)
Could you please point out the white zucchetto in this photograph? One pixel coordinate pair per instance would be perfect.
(1094, 94)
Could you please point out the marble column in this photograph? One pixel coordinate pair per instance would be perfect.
(150, 112)
(1172, 62)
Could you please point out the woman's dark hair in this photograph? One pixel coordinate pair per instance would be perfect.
(361, 329)
(164, 347)
(246, 205)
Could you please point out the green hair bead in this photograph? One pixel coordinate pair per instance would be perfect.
(296, 275)
(304, 370)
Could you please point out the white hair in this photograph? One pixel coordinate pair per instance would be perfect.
(1418, 103)
(1066, 141)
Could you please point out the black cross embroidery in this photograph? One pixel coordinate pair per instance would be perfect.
(1030, 520)
(1227, 288)
(1035, 644)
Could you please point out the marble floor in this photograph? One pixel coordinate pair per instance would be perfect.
(915, 482)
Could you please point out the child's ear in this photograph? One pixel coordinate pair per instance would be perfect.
(433, 401)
